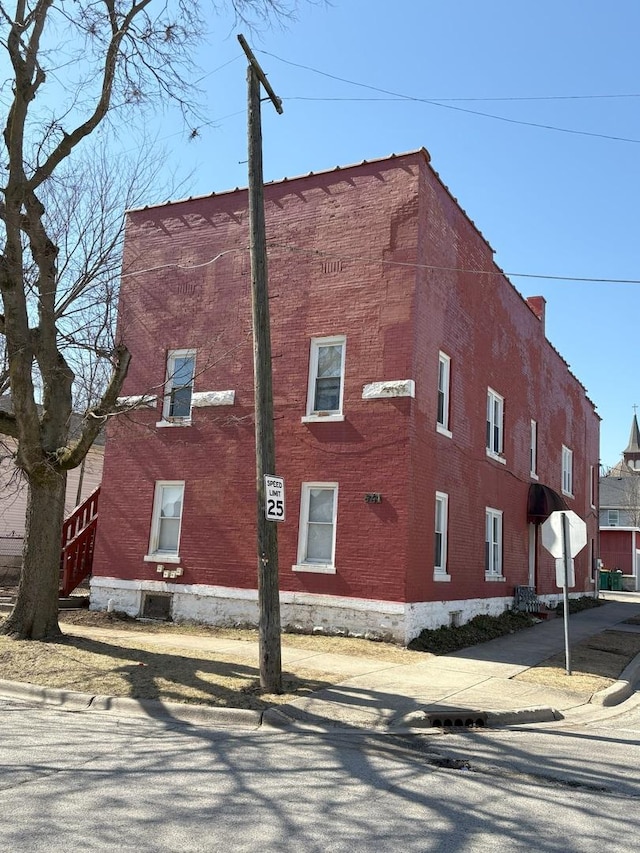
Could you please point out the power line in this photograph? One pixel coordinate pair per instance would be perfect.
(384, 262)
(449, 106)
(435, 268)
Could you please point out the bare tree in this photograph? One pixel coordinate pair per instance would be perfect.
(75, 67)
(629, 495)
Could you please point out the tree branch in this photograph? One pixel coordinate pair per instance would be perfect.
(8, 424)
(95, 417)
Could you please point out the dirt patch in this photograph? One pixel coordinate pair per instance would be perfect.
(596, 663)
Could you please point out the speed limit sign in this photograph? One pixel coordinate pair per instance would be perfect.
(273, 498)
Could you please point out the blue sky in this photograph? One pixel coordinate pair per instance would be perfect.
(550, 202)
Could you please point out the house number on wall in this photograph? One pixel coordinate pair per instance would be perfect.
(373, 498)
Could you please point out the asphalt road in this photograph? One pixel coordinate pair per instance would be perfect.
(73, 781)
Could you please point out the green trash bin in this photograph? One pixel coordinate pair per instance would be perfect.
(605, 580)
(616, 581)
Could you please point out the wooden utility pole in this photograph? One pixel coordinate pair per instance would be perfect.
(268, 589)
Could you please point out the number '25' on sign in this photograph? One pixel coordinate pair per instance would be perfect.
(273, 498)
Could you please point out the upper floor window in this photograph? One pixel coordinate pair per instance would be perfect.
(533, 450)
(593, 486)
(166, 519)
(178, 387)
(567, 471)
(614, 517)
(495, 423)
(440, 556)
(326, 378)
(444, 384)
(493, 543)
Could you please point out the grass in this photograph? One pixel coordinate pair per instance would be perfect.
(175, 665)
(596, 663)
(173, 668)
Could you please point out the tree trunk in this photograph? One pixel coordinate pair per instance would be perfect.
(35, 614)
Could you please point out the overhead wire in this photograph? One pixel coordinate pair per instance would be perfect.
(382, 262)
(450, 106)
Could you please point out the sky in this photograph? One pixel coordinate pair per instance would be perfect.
(531, 115)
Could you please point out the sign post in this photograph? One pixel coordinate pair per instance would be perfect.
(564, 534)
(566, 559)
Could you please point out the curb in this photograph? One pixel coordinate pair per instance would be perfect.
(69, 700)
(622, 689)
(421, 720)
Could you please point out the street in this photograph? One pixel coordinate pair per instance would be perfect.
(78, 781)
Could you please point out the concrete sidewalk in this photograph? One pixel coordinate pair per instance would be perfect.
(472, 685)
(477, 679)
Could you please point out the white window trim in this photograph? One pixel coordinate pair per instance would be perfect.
(492, 398)
(592, 487)
(168, 385)
(303, 565)
(154, 555)
(491, 513)
(312, 415)
(567, 471)
(533, 450)
(440, 572)
(443, 427)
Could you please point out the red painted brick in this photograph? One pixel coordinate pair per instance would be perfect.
(382, 253)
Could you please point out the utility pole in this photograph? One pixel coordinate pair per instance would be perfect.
(268, 589)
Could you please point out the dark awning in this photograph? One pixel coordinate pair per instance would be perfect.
(542, 502)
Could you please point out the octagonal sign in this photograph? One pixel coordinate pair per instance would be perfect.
(551, 532)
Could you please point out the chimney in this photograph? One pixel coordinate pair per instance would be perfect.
(537, 305)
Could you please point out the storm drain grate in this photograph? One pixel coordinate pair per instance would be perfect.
(468, 720)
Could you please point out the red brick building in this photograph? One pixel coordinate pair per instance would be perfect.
(620, 517)
(424, 424)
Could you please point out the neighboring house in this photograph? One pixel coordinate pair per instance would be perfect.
(425, 427)
(620, 514)
(81, 482)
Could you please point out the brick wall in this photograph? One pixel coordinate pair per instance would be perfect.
(370, 252)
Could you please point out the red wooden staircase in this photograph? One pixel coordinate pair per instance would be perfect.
(78, 538)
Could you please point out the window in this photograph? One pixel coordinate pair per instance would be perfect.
(614, 518)
(493, 543)
(495, 418)
(166, 520)
(179, 386)
(326, 378)
(317, 534)
(593, 486)
(567, 471)
(444, 382)
(533, 451)
(440, 557)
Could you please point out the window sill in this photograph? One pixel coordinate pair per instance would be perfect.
(568, 495)
(161, 558)
(494, 578)
(317, 568)
(533, 475)
(444, 431)
(496, 457)
(441, 577)
(319, 419)
(184, 423)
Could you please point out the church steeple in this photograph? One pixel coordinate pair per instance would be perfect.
(632, 453)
